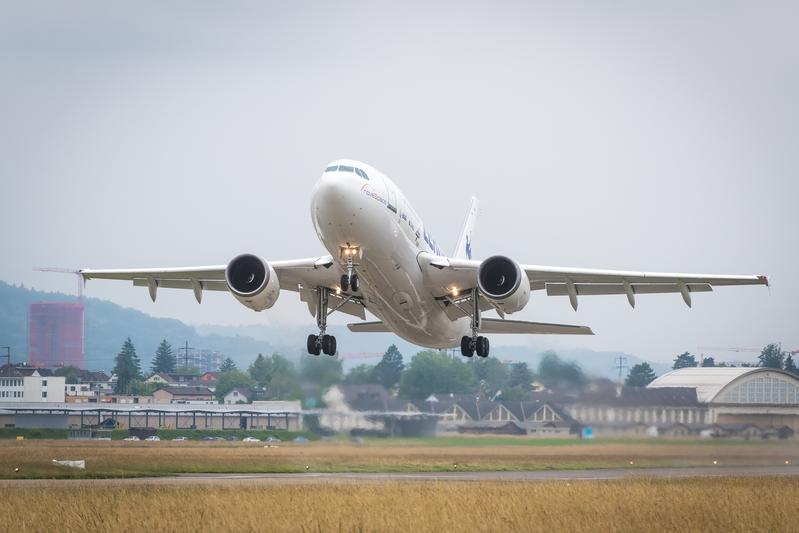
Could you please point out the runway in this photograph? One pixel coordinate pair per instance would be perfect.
(359, 478)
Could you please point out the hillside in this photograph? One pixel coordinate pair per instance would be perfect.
(107, 326)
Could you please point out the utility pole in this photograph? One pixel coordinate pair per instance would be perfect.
(185, 349)
(621, 364)
(7, 355)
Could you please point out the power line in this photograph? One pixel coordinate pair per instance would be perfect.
(621, 365)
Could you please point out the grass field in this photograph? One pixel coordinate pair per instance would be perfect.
(33, 459)
(723, 504)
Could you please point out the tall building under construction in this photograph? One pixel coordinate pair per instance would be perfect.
(55, 334)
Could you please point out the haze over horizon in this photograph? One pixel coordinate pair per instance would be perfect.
(658, 138)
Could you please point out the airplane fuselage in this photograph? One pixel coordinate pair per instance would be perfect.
(367, 212)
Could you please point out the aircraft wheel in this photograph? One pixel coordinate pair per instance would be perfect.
(327, 343)
(332, 346)
(313, 344)
(354, 283)
(345, 283)
(467, 350)
(482, 346)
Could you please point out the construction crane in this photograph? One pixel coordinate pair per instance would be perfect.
(744, 349)
(360, 355)
(66, 271)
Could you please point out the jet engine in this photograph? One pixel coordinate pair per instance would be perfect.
(502, 281)
(252, 281)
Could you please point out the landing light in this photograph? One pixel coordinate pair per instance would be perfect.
(454, 291)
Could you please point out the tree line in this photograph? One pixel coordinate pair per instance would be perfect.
(771, 356)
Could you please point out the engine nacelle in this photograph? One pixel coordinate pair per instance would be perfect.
(252, 281)
(502, 281)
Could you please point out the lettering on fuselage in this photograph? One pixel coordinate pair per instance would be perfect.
(367, 190)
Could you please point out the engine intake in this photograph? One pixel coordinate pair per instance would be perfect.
(252, 281)
(501, 280)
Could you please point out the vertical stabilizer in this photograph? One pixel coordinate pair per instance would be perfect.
(463, 250)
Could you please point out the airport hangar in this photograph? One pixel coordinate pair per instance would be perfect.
(764, 397)
(268, 415)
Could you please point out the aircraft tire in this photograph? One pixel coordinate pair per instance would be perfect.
(467, 350)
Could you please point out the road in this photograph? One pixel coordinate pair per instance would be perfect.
(321, 478)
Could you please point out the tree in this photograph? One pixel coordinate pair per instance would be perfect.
(389, 369)
(360, 375)
(558, 374)
(165, 360)
(640, 375)
(521, 376)
(790, 366)
(432, 371)
(127, 367)
(772, 356)
(492, 374)
(276, 375)
(138, 387)
(708, 361)
(684, 360)
(227, 365)
(71, 373)
(232, 379)
(321, 371)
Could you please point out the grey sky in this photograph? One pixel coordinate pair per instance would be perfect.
(654, 137)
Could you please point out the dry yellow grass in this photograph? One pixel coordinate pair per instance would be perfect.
(110, 459)
(722, 504)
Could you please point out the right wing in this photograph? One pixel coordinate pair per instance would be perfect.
(297, 275)
(493, 325)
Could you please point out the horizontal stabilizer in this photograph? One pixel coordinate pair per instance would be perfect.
(369, 327)
(494, 325)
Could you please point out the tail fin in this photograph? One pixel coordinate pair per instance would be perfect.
(463, 250)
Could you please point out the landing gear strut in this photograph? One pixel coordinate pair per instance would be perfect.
(322, 343)
(475, 342)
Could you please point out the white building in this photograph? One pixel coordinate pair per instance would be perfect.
(28, 385)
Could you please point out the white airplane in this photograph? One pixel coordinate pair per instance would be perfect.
(382, 258)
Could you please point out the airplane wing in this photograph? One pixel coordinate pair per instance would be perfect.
(297, 275)
(444, 273)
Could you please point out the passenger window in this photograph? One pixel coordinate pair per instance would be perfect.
(331, 169)
(342, 168)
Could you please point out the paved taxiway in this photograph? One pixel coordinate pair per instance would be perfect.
(318, 478)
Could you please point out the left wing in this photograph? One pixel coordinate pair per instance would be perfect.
(297, 275)
(445, 273)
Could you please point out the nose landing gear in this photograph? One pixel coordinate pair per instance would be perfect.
(475, 342)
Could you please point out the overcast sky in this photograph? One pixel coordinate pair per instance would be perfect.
(633, 135)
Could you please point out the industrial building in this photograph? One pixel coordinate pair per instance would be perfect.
(259, 415)
(55, 334)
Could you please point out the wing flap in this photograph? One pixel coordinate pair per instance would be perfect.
(493, 325)
(587, 289)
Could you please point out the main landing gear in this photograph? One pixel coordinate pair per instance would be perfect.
(322, 343)
(475, 342)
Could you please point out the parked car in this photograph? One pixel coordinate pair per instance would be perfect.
(272, 439)
(250, 439)
(231, 438)
(132, 437)
(153, 438)
(180, 438)
(300, 440)
(208, 437)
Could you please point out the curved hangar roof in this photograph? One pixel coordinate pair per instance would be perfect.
(734, 385)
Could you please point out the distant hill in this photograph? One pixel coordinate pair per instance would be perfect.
(108, 324)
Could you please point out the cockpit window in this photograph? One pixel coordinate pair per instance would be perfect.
(342, 168)
(361, 173)
(331, 169)
(364, 175)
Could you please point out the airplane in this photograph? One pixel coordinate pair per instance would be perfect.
(382, 258)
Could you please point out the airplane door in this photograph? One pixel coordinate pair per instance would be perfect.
(392, 199)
